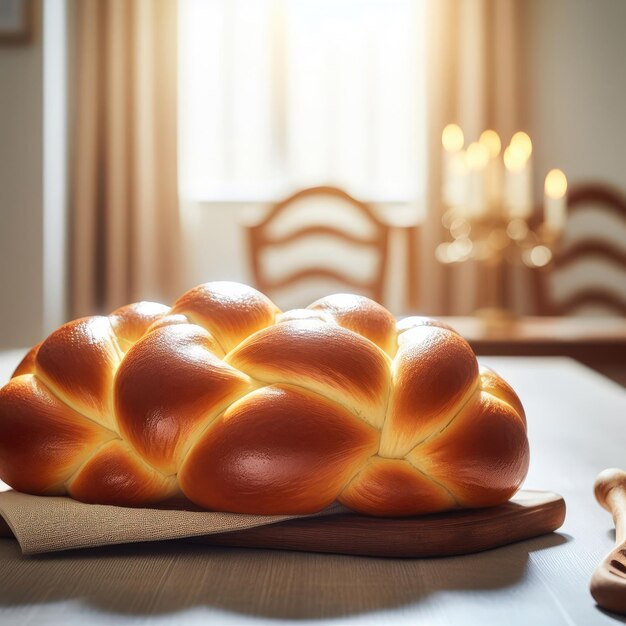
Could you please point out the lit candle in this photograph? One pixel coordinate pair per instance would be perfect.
(555, 209)
(519, 176)
(453, 165)
(477, 158)
(491, 141)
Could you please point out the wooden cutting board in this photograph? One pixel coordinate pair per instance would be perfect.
(528, 514)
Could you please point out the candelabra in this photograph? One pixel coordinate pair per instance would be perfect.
(489, 210)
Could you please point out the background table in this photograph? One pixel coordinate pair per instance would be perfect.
(599, 343)
(577, 427)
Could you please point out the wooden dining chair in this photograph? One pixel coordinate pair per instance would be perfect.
(267, 237)
(600, 197)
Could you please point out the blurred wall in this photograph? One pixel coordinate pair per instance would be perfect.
(575, 88)
(575, 103)
(21, 194)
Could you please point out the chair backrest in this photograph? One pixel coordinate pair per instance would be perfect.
(297, 221)
(593, 289)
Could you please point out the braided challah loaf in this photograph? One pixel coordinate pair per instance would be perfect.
(243, 408)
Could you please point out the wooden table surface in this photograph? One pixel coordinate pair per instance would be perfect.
(577, 427)
(597, 342)
(548, 332)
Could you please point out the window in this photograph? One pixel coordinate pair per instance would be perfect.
(282, 94)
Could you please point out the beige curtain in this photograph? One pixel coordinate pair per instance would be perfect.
(473, 75)
(124, 213)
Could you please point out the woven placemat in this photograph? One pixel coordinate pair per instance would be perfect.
(50, 524)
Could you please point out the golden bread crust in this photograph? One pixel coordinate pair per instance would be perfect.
(169, 385)
(42, 439)
(241, 407)
(278, 444)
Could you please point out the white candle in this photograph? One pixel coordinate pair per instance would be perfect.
(555, 209)
(491, 140)
(477, 159)
(452, 180)
(518, 181)
(459, 182)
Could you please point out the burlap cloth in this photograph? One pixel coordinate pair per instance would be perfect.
(46, 524)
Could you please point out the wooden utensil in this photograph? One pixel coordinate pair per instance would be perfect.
(608, 583)
(528, 514)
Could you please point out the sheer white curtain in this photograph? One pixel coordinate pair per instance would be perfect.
(280, 94)
(472, 61)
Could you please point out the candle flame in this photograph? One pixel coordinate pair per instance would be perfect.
(556, 184)
(452, 138)
(514, 160)
(520, 142)
(477, 156)
(491, 140)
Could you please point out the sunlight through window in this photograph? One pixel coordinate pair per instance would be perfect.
(278, 94)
